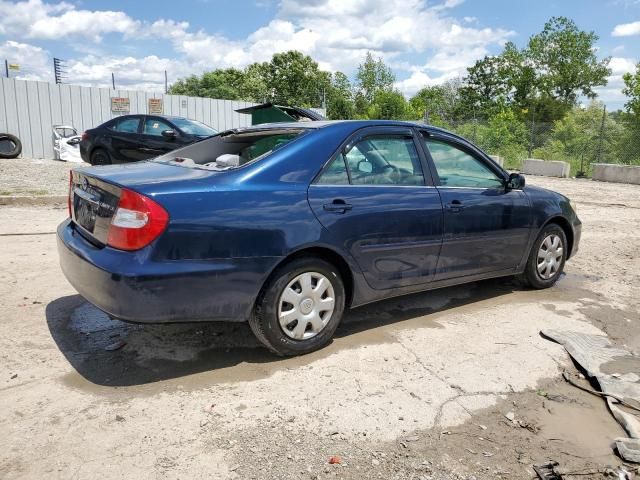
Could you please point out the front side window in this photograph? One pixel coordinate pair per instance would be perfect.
(128, 125)
(384, 160)
(456, 168)
(155, 127)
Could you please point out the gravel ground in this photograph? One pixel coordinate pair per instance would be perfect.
(26, 176)
(417, 387)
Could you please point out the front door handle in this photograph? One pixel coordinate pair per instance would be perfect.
(455, 206)
(337, 206)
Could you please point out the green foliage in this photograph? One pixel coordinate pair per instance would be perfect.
(221, 83)
(440, 104)
(632, 90)
(557, 66)
(582, 138)
(373, 77)
(340, 105)
(388, 105)
(290, 78)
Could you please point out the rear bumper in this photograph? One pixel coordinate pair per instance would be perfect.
(132, 287)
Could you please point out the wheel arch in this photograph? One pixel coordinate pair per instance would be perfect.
(323, 253)
(563, 223)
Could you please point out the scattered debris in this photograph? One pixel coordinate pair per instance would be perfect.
(15, 375)
(629, 449)
(335, 460)
(115, 346)
(119, 418)
(598, 356)
(547, 471)
(510, 416)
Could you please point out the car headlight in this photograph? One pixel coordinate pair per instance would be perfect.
(574, 206)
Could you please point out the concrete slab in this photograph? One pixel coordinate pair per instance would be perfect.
(545, 168)
(607, 172)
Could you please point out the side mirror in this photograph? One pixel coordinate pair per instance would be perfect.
(515, 182)
(73, 141)
(169, 133)
(365, 167)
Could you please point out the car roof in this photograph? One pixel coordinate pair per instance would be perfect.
(356, 124)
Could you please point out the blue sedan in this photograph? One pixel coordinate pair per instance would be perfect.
(287, 225)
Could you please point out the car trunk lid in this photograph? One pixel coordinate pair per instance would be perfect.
(92, 204)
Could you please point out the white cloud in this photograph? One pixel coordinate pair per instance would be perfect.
(34, 62)
(38, 20)
(612, 92)
(336, 33)
(626, 29)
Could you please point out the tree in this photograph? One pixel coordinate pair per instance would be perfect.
(373, 77)
(547, 76)
(565, 61)
(441, 104)
(295, 79)
(388, 105)
(221, 83)
(632, 90)
(340, 98)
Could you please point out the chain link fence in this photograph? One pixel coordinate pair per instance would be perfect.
(581, 139)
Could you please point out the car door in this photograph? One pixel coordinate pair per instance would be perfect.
(153, 142)
(377, 204)
(125, 139)
(486, 226)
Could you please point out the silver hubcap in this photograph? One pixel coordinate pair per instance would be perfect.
(550, 256)
(306, 306)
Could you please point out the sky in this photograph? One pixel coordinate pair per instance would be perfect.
(425, 42)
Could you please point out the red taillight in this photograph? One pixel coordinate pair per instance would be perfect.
(85, 136)
(138, 221)
(70, 195)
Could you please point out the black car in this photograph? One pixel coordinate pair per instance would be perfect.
(130, 138)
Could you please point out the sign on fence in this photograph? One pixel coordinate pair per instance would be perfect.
(119, 105)
(155, 106)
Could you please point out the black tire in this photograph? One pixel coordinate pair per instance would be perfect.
(264, 321)
(10, 146)
(531, 276)
(100, 157)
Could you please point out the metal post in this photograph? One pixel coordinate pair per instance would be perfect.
(6, 67)
(533, 125)
(113, 81)
(604, 116)
(166, 83)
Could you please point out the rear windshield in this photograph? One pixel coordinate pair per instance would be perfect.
(230, 150)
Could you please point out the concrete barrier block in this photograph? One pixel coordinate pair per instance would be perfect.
(608, 172)
(546, 168)
(498, 159)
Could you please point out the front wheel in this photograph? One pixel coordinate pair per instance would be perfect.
(547, 258)
(299, 308)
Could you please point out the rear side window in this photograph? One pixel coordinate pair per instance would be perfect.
(126, 125)
(377, 160)
(232, 149)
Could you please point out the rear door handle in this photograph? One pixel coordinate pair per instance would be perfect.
(455, 206)
(337, 206)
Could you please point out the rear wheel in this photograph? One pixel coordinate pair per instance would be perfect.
(300, 307)
(100, 157)
(547, 258)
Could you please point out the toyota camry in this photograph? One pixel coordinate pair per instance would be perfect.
(288, 225)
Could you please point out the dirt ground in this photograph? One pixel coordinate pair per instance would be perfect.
(418, 387)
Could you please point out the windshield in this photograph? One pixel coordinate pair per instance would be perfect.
(193, 128)
(231, 149)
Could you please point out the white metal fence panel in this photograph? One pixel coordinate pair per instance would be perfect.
(28, 109)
